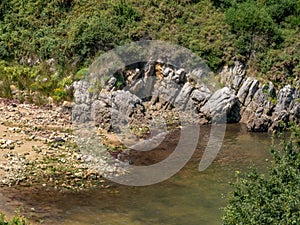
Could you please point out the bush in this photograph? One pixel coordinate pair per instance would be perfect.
(269, 199)
(72, 33)
(17, 220)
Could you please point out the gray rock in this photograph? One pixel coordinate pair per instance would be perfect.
(150, 69)
(112, 81)
(252, 90)
(223, 103)
(281, 115)
(285, 98)
(259, 124)
(232, 77)
(165, 93)
(81, 113)
(143, 87)
(167, 71)
(180, 76)
(295, 112)
(244, 90)
(198, 98)
(183, 96)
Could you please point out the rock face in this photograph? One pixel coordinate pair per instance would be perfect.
(232, 77)
(136, 95)
(223, 105)
(262, 108)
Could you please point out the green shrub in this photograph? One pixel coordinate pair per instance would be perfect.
(269, 199)
(73, 33)
(17, 220)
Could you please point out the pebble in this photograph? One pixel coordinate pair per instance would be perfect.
(52, 154)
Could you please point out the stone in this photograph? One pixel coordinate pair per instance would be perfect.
(244, 90)
(183, 96)
(111, 83)
(222, 106)
(198, 98)
(232, 77)
(165, 93)
(150, 69)
(252, 90)
(285, 98)
(259, 124)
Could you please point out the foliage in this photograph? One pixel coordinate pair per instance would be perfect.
(71, 34)
(272, 198)
(17, 220)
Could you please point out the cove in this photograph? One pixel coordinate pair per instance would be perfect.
(190, 197)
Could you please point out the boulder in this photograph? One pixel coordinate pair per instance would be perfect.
(244, 90)
(257, 113)
(198, 98)
(165, 93)
(282, 110)
(183, 96)
(259, 123)
(223, 103)
(232, 77)
(285, 98)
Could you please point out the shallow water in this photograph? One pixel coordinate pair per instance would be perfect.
(190, 197)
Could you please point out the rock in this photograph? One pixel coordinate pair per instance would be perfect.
(111, 83)
(118, 109)
(82, 94)
(167, 71)
(59, 139)
(197, 99)
(223, 103)
(257, 113)
(259, 124)
(180, 76)
(295, 112)
(244, 90)
(165, 93)
(142, 87)
(252, 90)
(281, 115)
(127, 103)
(183, 96)
(285, 98)
(232, 77)
(149, 69)
(67, 107)
(247, 90)
(279, 121)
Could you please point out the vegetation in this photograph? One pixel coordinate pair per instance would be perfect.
(271, 199)
(17, 220)
(43, 44)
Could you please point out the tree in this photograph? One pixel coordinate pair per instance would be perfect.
(269, 199)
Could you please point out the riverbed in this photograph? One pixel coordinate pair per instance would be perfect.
(189, 197)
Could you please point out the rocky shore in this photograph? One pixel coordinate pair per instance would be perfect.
(262, 106)
(134, 96)
(37, 148)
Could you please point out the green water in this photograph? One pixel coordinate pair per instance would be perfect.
(188, 198)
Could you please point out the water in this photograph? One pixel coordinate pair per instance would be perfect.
(190, 197)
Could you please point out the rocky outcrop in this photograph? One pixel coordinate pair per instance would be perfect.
(136, 95)
(223, 105)
(151, 91)
(262, 107)
(232, 77)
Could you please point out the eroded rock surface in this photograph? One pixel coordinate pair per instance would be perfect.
(155, 89)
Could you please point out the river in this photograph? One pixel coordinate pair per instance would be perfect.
(190, 197)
